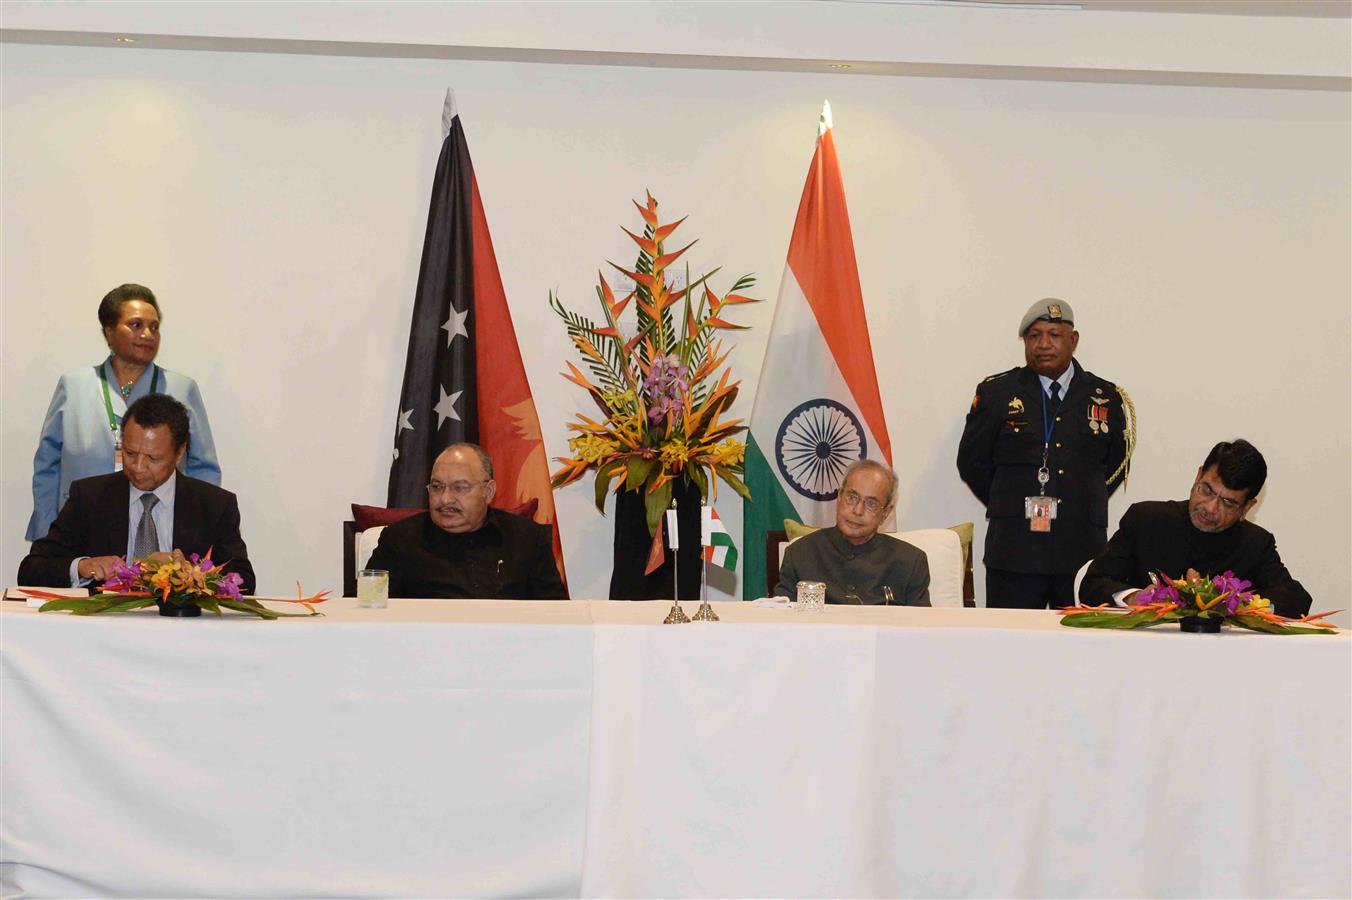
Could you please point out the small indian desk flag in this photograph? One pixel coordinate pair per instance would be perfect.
(718, 546)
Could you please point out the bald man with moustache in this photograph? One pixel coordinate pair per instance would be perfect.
(463, 548)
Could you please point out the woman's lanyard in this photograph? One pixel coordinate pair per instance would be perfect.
(112, 419)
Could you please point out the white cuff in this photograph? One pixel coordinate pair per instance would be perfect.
(75, 579)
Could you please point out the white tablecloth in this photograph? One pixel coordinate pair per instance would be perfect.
(493, 748)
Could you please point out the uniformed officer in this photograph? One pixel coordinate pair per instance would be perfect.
(1043, 448)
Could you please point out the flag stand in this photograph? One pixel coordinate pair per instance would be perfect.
(677, 615)
(706, 612)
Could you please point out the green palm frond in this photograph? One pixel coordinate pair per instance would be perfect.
(609, 374)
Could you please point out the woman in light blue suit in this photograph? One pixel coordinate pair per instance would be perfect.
(82, 434)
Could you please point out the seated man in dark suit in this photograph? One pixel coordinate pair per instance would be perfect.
(855, 562)
(1205, 535)
(147, 508)
(460, 548)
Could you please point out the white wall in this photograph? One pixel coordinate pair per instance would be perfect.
(277, 204)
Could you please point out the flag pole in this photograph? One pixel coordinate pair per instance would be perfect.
(677, 615)
(705, 613)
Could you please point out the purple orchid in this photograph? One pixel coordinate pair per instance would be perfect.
(1227, 581)
(1237, 588)
(666, 382)
(125, 578)
(1164, 592)
(229, 587)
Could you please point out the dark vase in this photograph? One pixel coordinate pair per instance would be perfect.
(178, 610)
(1198, 625)
(633, 543)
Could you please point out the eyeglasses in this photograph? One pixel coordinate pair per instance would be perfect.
(1205, 491)
(456, 488)
(871, 504)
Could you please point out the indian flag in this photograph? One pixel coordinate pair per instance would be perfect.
(817, 406)
(718, 546)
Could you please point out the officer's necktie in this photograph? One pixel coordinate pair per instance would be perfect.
(1056, 395)
(147, 538)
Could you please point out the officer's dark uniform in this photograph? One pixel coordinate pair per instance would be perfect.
(999, 456)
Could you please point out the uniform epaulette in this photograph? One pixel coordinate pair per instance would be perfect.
(999, 375)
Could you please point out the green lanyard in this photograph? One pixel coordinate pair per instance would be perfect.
(108, 401)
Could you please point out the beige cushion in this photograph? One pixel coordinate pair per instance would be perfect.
(943, 548)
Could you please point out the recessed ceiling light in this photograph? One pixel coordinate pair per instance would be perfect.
(123, 39)
(839, 66)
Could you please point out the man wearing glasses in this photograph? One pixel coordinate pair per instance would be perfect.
(857, 564)
(461, 548)
(1206, 535)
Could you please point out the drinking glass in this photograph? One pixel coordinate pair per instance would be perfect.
(811, 595)
(373, 588)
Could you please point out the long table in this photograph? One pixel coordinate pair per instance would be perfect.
(480, 748)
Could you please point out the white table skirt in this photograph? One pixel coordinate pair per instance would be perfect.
(496, 748)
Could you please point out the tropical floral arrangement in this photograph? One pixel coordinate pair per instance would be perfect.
(659, 389)
(178, 581)
(1224, 598)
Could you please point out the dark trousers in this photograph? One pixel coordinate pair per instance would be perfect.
(1016, 590)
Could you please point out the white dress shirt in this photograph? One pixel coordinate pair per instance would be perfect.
(1064, 381)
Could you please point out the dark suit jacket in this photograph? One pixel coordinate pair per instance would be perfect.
(1157, 536)
(508, 558)
(94, 523)
(861, 571)
(1001, 451)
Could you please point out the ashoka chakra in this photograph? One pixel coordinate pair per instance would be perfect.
(816, 443)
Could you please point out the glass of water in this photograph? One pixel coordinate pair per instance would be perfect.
(811, 595)
(373, 588)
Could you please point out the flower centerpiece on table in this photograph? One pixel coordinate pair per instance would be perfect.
(1220, 600)
(659, 389)
(165, 580)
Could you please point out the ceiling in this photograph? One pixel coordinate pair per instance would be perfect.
(1323, 9)
(1299, 45)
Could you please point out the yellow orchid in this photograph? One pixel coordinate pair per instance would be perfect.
(675, 454)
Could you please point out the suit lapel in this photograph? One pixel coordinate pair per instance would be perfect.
(114, 511)
(1079, 387)
(185, 514)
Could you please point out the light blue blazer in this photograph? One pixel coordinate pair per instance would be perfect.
(76, 441)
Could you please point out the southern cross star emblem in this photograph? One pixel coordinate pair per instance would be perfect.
(445, 408)
(455, 326)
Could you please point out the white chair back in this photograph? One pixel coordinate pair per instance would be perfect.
(1079, 576)
(366, 545)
